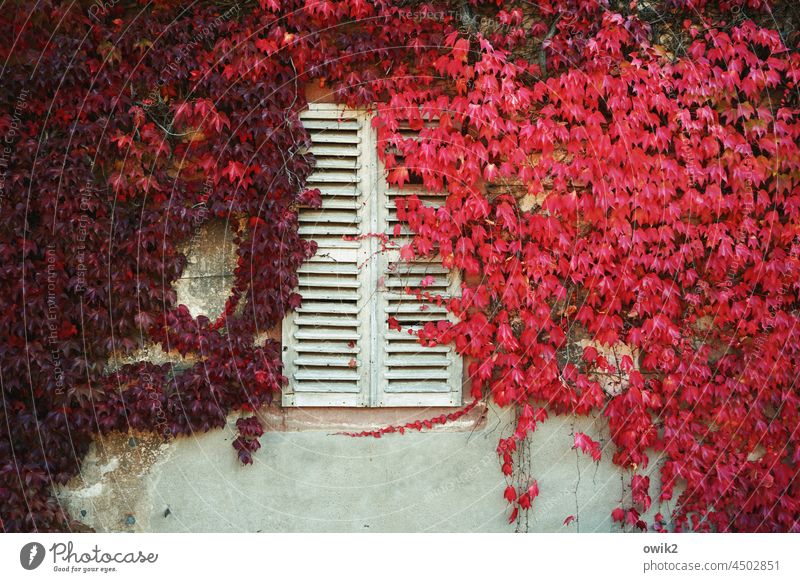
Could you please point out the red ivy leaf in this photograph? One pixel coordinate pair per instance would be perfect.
(587, 445)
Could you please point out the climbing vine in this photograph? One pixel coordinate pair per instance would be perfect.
(618, 174)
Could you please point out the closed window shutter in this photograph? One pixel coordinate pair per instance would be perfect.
(409, 373)
(338, 348)
(326, 342)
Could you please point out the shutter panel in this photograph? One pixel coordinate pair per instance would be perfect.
(409, 373)
(326, 342)
(337, 347)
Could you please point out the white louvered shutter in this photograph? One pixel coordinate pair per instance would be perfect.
(337, 347)
(326, 342)
(410, 374)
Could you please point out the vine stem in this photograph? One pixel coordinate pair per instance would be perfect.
(416, 425)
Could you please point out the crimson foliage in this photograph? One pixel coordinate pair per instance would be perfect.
(612, 180)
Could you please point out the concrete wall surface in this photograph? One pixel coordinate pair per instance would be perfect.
(313, 480)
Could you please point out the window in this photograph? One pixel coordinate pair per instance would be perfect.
(338, 349)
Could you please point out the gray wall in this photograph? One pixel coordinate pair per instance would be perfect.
(314, 480)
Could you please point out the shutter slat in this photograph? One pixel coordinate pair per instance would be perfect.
(328, 124)
(324, 216)
(327, 163)
(327, 176)
(424, 374)
(403, 296)
(320, 321)
(411, 308)
(416, 284)
(308, 307)
(329, 243)
(321, 281)
(313, 347)
(327, 111)
(409, 319)
(314, 231)
(326, 374)
(397, 347)
(418, 361)
(327, 387)
(330, 296)
(327, 191)
(343, 150)
(419, 387)
(329, 334)
(421, 266)
(329, 203)
(338, 137)
(328, 268)
(338, 362)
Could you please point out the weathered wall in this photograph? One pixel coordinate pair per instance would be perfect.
(308, 478)
(314, 480)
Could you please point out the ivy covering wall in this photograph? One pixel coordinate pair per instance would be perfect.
(618, 173)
